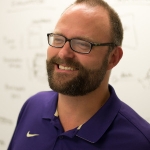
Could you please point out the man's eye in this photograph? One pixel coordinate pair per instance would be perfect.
(58, 40)
(83, 45)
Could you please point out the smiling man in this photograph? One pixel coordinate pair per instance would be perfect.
(83, 110)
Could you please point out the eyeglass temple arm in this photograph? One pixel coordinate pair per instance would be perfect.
(104, 44)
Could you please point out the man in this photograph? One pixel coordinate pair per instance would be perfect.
(82, 111)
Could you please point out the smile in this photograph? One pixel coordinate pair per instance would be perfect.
(66, 68)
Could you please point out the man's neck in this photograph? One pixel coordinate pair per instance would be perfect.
(76, 110)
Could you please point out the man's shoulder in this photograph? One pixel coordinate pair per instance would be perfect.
(38, 105)
(44, 94)
(40, 101)
(134, 121)
(42, 97)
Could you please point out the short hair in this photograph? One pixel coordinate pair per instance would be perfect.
(115, 22)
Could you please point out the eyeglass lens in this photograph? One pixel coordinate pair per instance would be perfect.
(77, 45)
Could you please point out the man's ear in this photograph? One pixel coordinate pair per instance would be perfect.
(115, 57)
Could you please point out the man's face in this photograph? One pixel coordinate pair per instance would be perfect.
(84, 82)
(75, 74)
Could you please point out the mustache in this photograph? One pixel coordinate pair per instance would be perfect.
(69, 62)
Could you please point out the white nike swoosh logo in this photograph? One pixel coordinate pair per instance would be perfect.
(31, 135)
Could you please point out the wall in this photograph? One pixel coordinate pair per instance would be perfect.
(23, 45)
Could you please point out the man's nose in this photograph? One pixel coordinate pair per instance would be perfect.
(66, 51)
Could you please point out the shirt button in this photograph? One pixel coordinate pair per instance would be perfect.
(61, 137)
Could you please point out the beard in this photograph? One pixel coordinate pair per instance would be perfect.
(85, 82)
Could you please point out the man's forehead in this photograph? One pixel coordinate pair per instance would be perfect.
(84, 8)
(84, 20)
(90, 14)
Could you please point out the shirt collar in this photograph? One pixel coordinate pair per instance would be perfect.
(50, 106)
(97, 125)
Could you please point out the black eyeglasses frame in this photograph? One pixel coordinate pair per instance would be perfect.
(111, 44)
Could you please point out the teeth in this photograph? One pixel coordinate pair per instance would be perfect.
(65, 68)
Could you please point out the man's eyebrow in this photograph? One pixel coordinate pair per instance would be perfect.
(58, 33)
(85, 38)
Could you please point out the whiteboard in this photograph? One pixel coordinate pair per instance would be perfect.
(23, 45)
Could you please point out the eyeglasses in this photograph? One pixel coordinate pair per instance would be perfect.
(77, 45)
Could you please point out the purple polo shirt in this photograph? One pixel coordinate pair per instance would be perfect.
(114, 127)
